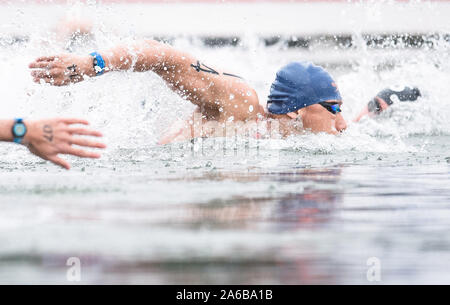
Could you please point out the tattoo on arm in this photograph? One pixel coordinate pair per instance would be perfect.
(48, 132)
(199, 67)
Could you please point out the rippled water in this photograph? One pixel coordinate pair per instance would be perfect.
(309, 209)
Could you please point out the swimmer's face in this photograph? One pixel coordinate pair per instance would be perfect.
(367, 111)
(383, 104)
(320, 114)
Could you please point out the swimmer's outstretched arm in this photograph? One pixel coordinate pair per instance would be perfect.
(202, 85)
(49, 138)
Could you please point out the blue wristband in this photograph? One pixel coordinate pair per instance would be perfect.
(99, 63)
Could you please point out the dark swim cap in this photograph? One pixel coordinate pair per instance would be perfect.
(298, 85)
(406, 95)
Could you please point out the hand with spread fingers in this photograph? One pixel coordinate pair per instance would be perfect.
(49, 138)
(62, 69)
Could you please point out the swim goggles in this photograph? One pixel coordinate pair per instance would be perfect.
(331, 107)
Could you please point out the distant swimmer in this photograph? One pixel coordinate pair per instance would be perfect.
(386, 98)
(49, 138)
(302, 97)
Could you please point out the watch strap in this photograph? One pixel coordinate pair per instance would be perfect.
(16, 138)
(99, 63)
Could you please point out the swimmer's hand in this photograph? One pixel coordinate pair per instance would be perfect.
(49, 138)
(63, 69)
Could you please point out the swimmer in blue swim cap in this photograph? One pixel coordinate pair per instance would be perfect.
(303, 97)
(303, 86)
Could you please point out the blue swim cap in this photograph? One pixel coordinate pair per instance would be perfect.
(298, 85)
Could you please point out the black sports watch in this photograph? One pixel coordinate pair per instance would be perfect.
(19, 130)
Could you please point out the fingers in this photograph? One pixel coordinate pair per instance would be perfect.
(53, 73)
(58, 161)
(84, 132)
(363, 113)
(86, 143)
(46, 58)
(74, 121)
(77, 130)
(57, 71)
(41, 65)
(48, 80)
(53, 76)
(43, 62)
(54, 82)
(80, 153)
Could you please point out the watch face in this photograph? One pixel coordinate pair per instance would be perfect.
(19, 130)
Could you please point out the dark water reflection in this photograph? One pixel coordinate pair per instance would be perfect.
(282, 226)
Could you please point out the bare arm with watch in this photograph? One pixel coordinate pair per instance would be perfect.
(49, 138)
